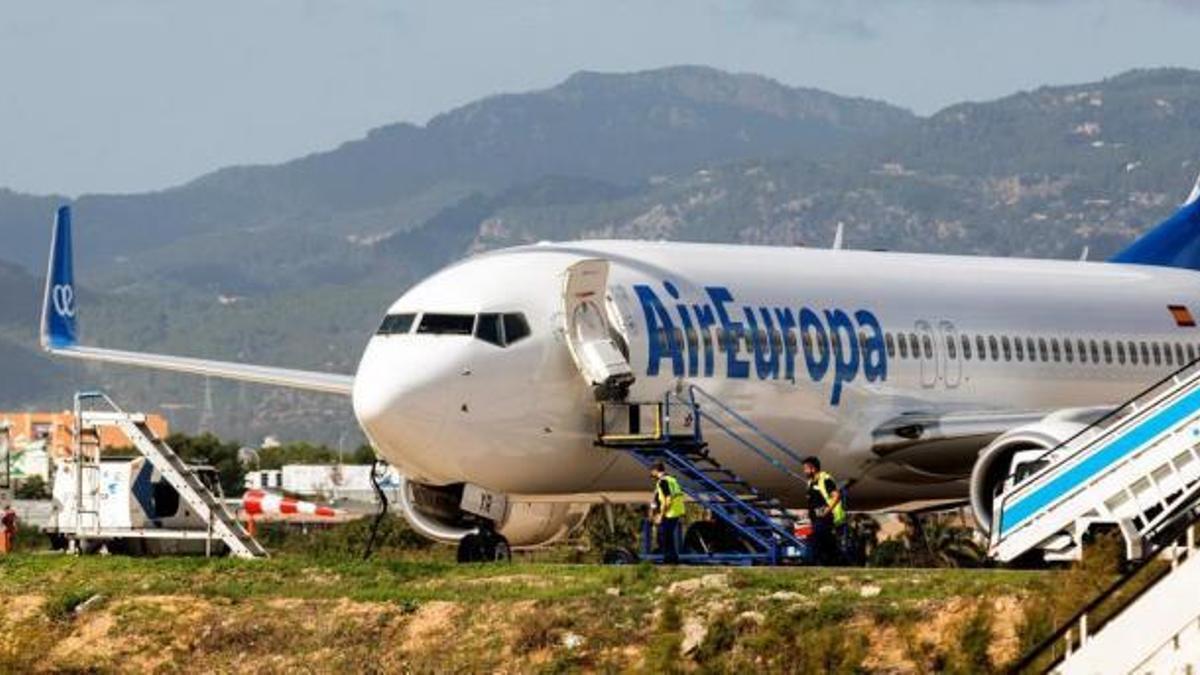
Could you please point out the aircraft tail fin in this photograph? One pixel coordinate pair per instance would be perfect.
(58, 330)
(1173, 243)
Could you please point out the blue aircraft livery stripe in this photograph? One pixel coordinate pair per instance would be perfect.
(1116, 450)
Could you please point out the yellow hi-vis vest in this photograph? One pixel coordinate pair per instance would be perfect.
(839, 511)
(671, 502)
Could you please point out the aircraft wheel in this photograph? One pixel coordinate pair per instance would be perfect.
(498, 549)
(709, 536)
(620, 556)
(470, 549)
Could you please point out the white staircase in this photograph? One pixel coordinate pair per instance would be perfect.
(1135, 469)
(221, 524)
(1157, 633)
(1146, 622)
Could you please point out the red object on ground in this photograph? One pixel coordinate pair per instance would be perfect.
(258, 502)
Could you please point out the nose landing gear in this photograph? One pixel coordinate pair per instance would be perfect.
(486, 545)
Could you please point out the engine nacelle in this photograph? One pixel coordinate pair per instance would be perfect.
(437, 513)
(995, 462)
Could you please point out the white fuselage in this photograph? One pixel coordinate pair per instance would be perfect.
(519, 419)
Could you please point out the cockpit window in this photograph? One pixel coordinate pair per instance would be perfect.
(396, 324)
(515, 328)
(446, 324)
(501, 329)
(489, 329)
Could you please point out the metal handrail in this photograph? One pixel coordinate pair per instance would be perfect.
(1166, 535)
(731, 497)
(696, 389)
(1172, 378)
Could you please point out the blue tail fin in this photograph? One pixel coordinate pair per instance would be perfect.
(1173, 243)
(58, 304)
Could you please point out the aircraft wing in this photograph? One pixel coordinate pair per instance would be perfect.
(59, 334)
(931, 447)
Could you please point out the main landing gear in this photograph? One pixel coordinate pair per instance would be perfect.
(486, 545)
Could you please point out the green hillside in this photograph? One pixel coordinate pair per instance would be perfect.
(294, 264)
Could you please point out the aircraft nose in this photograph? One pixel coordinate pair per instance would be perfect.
(400, 398)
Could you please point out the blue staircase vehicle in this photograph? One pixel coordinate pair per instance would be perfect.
(671, 431)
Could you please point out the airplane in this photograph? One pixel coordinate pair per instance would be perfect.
(916, 378)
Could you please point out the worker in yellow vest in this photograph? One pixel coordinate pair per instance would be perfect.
(667, 509)
(826, 512)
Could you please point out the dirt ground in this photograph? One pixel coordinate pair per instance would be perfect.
(156, 616)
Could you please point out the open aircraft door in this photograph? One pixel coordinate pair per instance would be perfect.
(588, 333)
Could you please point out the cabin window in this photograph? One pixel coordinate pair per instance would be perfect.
(396, 324)
(1121, 352)
(1191, 353)
(1082, 351)
(1031, 348)
(1167, 355)
(776, 341)
(1145, 354)
(1019, 349)
(1054, 350)
(951, 347)
(966, 347)
(1042, 353)
(914, 345)
(903, 344)
(928, 344)
(1133, 354)
(1178, 353)
(994, 345)
(1068, 350)
(890, 343)
(1108, 352)
(1156, 352)
(446, 324)
(1006, 345)
(1095, 352)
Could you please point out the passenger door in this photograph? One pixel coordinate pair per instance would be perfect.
(927, 354)
(588, 334)
(951, 353)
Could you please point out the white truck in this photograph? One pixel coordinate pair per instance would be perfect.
(126, 506)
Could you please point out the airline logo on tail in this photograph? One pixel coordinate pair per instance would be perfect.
(64, 300)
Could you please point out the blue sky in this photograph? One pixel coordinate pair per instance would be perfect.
(133, 95)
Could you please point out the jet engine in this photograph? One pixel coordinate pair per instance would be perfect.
(449, 513)
(1016, 453)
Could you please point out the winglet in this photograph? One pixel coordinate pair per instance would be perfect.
(1195, 195)
(58, 303)
(1173, 243)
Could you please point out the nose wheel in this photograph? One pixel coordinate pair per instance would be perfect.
(487, 545)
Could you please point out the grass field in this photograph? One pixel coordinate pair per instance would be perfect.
(308, 613)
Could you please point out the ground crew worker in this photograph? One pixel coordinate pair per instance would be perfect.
(8, 529)
(667, 510)
(826, 512)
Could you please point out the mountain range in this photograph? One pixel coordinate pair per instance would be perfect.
(293, 264)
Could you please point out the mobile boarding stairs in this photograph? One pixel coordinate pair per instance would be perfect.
(95, 411)
(1137, 470)
(757, 527)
